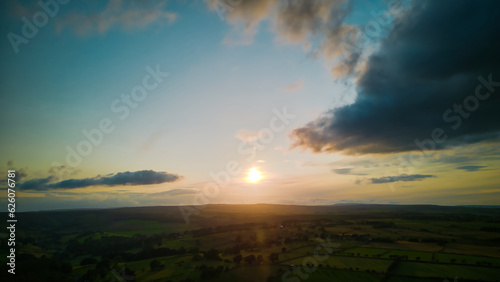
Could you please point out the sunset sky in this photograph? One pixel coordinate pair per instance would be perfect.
(386, 102)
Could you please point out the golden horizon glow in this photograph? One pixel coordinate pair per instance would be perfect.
(254, 175)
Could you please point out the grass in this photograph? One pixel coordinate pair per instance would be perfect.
(249, 273)
(338, 266)
(171, 269)
(34, 250)
(338, 262)
(366, 251)
(465, 259)
(437, 271)
(412, 255)
(328, 275)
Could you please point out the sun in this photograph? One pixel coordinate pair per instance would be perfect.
(254, 175)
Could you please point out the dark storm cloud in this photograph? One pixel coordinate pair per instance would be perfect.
(143, 177)
(471, 167)
(437, 54)
(36, 184)
(20, 172)
(403, 177)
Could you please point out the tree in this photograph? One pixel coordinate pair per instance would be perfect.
(155, 265)
(212, 254)
(197, 257)
(66, 267)
(250, 259)
(273, 257)
(104, 264)
(87, 261)
(237, 259)
(210, 273)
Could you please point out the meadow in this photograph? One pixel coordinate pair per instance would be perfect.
(261, 243)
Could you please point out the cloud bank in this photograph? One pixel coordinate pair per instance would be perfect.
(403, 177)
(346, 171)
(142, 177)
(438, 67)
(471, 167)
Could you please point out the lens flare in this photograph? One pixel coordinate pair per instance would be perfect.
(254, 175)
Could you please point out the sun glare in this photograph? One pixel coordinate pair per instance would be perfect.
(254, 175)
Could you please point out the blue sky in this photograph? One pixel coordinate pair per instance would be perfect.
(227, 77)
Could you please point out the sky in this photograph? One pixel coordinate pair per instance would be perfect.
(143, 103)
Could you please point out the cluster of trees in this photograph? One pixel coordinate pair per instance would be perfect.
(438, 241)
(110, 244)
(490, 229)
(210, 272)
(214, 255)
(152, 253)
(156, 265)
(255, 260)
(380, 224)
(113, 245)
(103, 270)
(400, 257)
(382, 239)
(428, 240)
(31, 268)
(229, 228)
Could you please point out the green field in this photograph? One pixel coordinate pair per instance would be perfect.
(464, 259)
(260, 243)
(447, 270)
(327, 275)
(352, 263)
(366, 252)
(412, 255)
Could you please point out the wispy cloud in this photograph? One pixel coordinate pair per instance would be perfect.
(318, 26)
(175, 192)
(246, 135)
(142, 177)
(403, 177)
(471, 167)
(346, 171)
(296, 86)
(125, 15)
